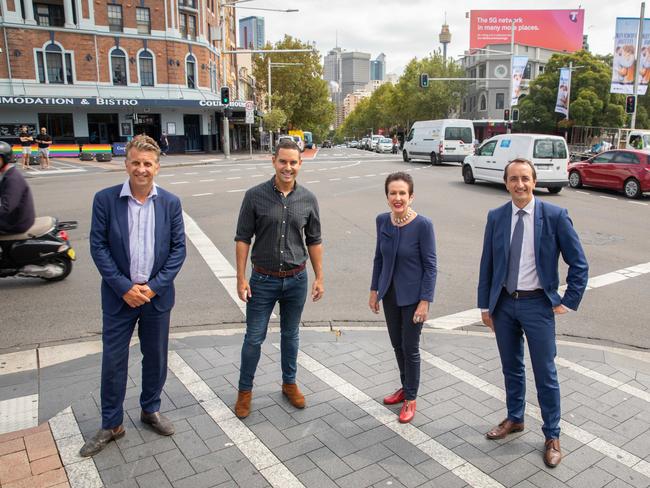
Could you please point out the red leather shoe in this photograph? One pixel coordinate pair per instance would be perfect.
(408, 412)
(397, 397)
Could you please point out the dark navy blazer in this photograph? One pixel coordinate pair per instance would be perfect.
(109, 247)
(414, 270)
(554, 235)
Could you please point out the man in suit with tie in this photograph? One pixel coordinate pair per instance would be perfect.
(518, 294)
(137, 240)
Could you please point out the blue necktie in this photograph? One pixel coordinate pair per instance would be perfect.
(515, 254)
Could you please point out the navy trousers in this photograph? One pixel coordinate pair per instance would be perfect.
(153, 332)
(534, 317)
(405, 338)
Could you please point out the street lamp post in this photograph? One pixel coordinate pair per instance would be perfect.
(274, 65)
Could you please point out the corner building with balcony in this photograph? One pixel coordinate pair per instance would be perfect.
(103, 71)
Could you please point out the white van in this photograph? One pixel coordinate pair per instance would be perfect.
(440, 140)
(549, 155)
(635, 139)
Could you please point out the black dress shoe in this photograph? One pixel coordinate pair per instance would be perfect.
(99, 441)
(158, 422)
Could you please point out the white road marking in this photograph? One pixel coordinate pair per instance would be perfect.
(235, 169)
(607, 198)
(583, 192)
(218, 264)
(190, 174)
(209, 180)
(236, 191)
(384, 174)
(335, 179)
(166, 175)
(610, 450)
(637, 203)
(369, 175)
(353, 177)
(82, 472)
(313, 181)
(18, 413)
(210, 160)
(436, 451)
(215, 171)
(256, 176)
(323, 169)
(56, 171)
(202, 194)
(606, 380)
(234, 178)
(269, 466)
(179, 182)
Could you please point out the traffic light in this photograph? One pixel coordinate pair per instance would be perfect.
(225, 95)
(630, 104)
(515, 114)
(506, 114)
(424, 80)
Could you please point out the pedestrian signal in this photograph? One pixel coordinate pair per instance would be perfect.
(515, 114)
(424, 80)
(225, 95)
(630, 104)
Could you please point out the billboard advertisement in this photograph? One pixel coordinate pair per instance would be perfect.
(563, 92)
(559, 30)
(518, 67)
(625, 64)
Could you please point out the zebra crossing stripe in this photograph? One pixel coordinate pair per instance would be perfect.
(269, 466)
(466, 471)
(613, 452)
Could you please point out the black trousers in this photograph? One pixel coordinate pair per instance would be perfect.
(405, 338)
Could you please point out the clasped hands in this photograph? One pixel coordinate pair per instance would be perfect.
(138, 295)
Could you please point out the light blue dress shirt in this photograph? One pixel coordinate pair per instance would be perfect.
(142, 227)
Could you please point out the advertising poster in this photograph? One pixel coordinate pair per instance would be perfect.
(625, 64)
(563, 92)
(560, 30)
(518, 67)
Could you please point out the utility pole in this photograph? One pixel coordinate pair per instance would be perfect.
(639, 42)
(226, 124)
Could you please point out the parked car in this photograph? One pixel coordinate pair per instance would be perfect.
(549, 154)
(372, 144)
(440, 141)
(621, 169)
(353, 144)
(326, 143)
(384, 145)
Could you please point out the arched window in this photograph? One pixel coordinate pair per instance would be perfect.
(146, 68)
(482, 102)
(190, 71)
(118, 67)
(54, 65)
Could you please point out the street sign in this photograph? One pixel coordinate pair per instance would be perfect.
(250, 112)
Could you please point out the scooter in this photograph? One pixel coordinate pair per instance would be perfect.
(44, 251)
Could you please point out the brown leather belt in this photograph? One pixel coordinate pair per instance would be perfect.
(279, 274)
(525, 293)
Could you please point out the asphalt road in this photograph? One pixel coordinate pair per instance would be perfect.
(349, 185)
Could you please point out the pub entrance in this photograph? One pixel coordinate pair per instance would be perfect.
(147, 124)
(193, 141)
(103, 128)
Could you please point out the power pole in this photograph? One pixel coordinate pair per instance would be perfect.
(226, 123)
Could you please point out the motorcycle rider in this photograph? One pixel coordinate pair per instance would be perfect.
(16, 202)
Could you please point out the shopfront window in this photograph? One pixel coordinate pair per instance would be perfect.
(58, 125)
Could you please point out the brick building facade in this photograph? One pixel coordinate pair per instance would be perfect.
(102, 71)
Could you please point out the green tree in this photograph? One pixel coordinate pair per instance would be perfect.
(274, 119)
(298, 90)
(590, 104)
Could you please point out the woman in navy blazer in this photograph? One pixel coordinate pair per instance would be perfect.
(404, 277)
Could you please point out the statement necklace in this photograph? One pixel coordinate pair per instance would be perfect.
(401, 220)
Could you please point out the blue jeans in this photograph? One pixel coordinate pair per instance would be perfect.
(535, 318)
(405, 338)
(266, 291)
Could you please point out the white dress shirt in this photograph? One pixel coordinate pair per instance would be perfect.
(528, 279)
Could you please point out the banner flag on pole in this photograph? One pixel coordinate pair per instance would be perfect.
(518, 67)
(563, 91)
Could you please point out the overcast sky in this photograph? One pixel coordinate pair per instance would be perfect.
(407, 29)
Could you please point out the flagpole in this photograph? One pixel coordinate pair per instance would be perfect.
(639, 43)
(568, 100)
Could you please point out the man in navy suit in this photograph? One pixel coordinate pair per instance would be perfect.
(137, 240)
(518, 294)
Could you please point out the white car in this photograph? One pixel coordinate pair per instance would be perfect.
(373, 142)
(384, 145)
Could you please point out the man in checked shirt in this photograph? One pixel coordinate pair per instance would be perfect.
(283, 217)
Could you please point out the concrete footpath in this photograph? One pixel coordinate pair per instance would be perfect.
(345, 437)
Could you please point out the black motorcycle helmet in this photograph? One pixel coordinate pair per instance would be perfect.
(6, 154)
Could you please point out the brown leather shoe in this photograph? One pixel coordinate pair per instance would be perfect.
(503, 429)
(291, 391)
(99, 441)
(243, 405)
(552, 452)
(158, 422)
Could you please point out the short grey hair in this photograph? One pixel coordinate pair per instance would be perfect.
(143, 142)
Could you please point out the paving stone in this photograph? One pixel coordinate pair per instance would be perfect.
(206, 479)
(368, 456)
(617, 484)
(126, 471)
(216, 459)
(297, 448)
(299, 465)
(549, 478)
(476, 457)
(269, 435)
(329, 463)
(431, 469)
(514, 472)
(122, 484)
(278, 417)
(148, 449)
(336, 443)
(316, 478)
(349, 409)
(581, 459)
(405, 450)
(373, 436)
(190, 444)
(109, 456)
(174, 465)
(363, 477)
(593, 477)
(623, 473)
(245, 474)
(342, 424)
(155, 479)
(305, 429)
(403, 471)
